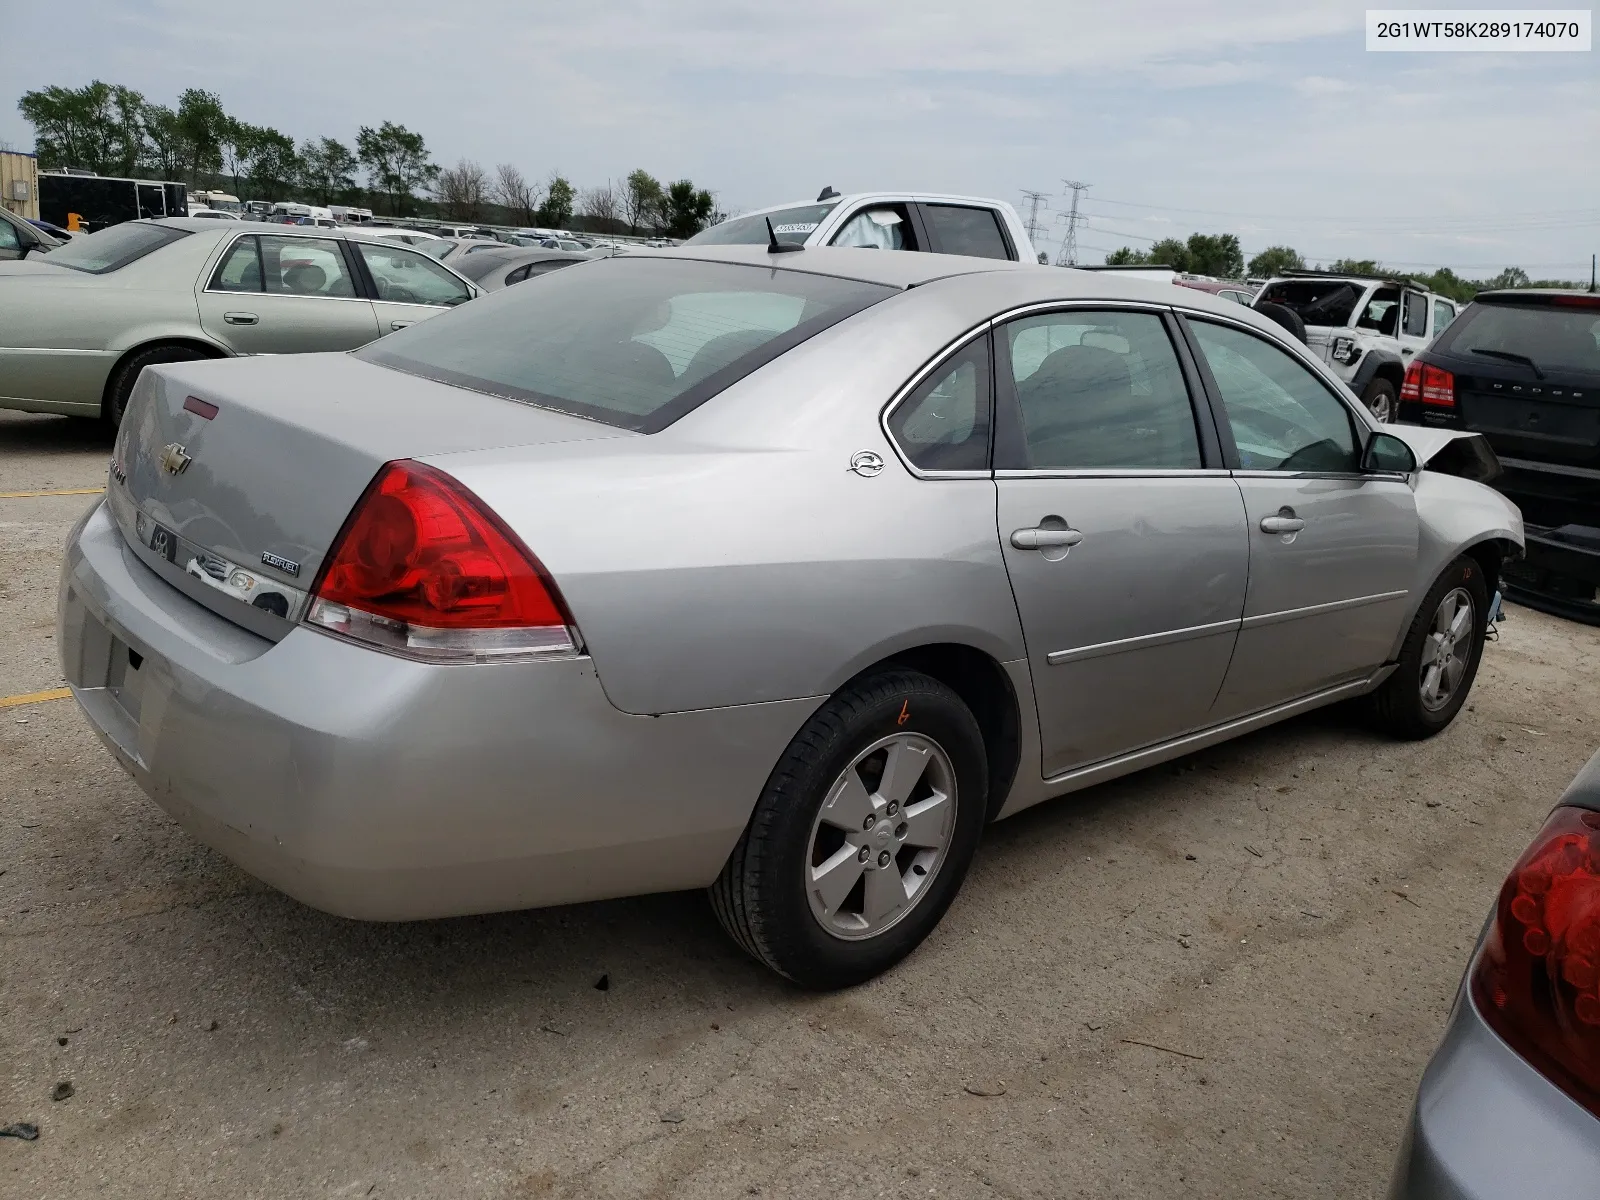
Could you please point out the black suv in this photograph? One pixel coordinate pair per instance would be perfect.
(1523, 369)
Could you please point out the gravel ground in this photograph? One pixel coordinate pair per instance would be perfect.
(1218, 978)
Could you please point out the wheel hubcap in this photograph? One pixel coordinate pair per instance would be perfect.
(1446, 650)
(881, 835)
(1382, 407)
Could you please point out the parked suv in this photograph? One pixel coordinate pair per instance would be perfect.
(1366, 327)
(967, 225)
(1523, 369)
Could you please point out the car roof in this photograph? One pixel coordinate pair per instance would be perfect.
(835, 201)
(892, 268)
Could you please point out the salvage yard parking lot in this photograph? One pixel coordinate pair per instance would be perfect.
(1221, 977)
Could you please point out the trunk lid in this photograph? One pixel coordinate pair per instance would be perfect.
(1555, 419)
(232, 479)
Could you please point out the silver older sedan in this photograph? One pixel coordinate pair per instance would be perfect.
(78, 325)
(777, 573)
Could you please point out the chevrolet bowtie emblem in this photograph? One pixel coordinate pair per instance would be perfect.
(174, 459)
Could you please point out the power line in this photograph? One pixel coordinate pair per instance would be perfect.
(1069, 244)
(1034, 199)
(1591, 213)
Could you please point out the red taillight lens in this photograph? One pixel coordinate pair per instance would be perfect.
(1411, 388)
(1438, 386)
(424, 568)
(1537, 979)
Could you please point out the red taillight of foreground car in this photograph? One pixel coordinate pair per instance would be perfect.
(1429, 385)
(423, 568)
(1537, 979)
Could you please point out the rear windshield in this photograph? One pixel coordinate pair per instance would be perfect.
(1319, 302)
(790, 224)
(1556, 337)
(631, 342)
(113, 248)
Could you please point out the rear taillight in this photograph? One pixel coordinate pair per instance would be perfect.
(423, 568)
(1434, 385)
(1411, 387)
(1537, 978)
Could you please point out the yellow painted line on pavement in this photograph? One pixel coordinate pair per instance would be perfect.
(34, 697)
(62, 492)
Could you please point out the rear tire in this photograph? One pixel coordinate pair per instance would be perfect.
(773, 894)
(121, 387)
(1381, 401)
(1437, 664)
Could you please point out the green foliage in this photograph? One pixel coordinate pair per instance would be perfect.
(1169, 252)
(687, 209)
(642, 201)
(274, 166)
(1356, 266)
(202, 126)
(1127, 256)
(327, 170)
(556, 210)
(1275, 260)
(1215, 254)
(397, 163)
(163, 142)
(98, 127)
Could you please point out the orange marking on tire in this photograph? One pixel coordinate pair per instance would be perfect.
(905, 713)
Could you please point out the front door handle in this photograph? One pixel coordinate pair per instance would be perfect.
(1045, 539)
(241, 318)
(1282, 524)
(400, 324)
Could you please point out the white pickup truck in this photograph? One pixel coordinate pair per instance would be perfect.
(968, 225)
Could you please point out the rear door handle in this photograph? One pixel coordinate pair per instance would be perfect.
(241, 318)
(1044, 539)
(400, 324)
(1282, 524)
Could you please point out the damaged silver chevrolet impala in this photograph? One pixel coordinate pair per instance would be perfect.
(779, 572)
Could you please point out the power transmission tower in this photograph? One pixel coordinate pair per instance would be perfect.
(1034, 199)
(1069, 244)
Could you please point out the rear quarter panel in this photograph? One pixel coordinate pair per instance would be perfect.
(735, 558)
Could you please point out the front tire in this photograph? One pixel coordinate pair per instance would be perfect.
(863, 834)
(1439, 658)
(1382, 401)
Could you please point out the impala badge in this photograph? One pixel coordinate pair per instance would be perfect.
(174, 459)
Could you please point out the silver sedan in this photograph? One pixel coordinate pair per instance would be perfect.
(781, 574)
(78, 325)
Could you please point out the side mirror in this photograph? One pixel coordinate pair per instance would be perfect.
(1387, 453)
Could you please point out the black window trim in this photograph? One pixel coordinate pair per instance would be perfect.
(1008, 418)
(1359, 426)
(994, 213)
(935, 364)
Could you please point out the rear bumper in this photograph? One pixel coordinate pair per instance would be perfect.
(375, 787)
(1487, 1126)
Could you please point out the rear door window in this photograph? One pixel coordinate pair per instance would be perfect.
(297, 266)
(958, 229)
(632, 342)
(240, 268)
(1443, 314)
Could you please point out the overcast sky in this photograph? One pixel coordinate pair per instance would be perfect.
(1265, 119)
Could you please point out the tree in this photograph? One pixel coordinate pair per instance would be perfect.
(601, 206)
(1127, 256)
(686, 209)
(1215, 254)
(1169, 252)
(1275, 260)
(396, 161)
(327, 170)
(274, 165)
(641, 201)
(463, 190)
(238, 144)
(556, 210)
(202, 126)
(1355, 266)
(515, 194)
(1511, 277)
(163, 140)
(97, 127)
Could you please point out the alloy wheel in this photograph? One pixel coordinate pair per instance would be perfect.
(881, 836)
(1447, 648)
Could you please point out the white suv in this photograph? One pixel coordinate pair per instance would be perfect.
(1366, 327)
(967, 225)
